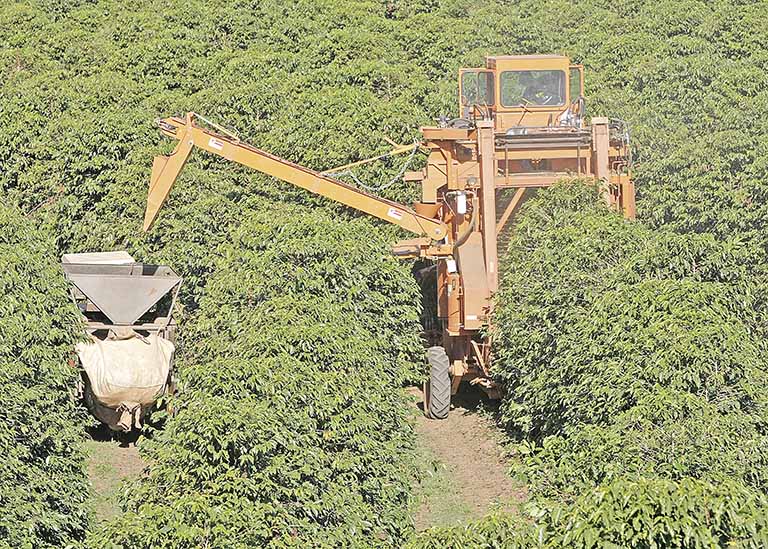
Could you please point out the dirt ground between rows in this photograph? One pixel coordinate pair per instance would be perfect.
(467, 466)
(109, 463)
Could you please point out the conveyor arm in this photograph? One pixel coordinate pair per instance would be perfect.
(166, 169)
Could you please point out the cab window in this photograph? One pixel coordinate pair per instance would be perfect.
(477, 88)
(537, 88)
(575, 84)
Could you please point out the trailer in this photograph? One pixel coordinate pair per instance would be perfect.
(126, 355)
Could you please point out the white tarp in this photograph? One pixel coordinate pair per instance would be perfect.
(99, 258)
(127, 374)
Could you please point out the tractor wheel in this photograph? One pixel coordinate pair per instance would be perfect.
(438, 399)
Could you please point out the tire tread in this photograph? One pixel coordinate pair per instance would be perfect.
(440, 383)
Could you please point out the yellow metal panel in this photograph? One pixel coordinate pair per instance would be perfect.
(485, 145)
(530, 180)
(232, 149)
(530, 63)
(474, 278)
(600, 145)
(165, 170)
(527, 154)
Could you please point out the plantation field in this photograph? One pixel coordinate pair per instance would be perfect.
(632, 354)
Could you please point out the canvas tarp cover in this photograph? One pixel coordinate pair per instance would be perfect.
(127, 372)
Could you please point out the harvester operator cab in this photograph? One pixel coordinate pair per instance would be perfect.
(524, 91)
(540, 88)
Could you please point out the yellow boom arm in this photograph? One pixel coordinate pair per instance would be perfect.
(166, 169)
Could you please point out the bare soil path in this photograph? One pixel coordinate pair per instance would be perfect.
(109, 463)
(467, 468)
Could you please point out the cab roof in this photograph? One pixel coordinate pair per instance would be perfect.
(514, 57)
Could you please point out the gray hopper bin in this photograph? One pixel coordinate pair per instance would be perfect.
(113, 284)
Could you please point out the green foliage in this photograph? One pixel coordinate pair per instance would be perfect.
(292, 428)
(495, 530)
(348, 262)
(625, 350)
(642, 514)
(44, 493)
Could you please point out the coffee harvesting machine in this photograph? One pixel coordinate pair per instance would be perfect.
(522, 126)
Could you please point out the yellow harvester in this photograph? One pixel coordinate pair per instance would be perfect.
(522, 125)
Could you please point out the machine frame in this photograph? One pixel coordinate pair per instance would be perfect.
(115, 293)
(489, 149)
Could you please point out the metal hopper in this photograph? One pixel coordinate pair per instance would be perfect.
(112, 284)
(127, 360)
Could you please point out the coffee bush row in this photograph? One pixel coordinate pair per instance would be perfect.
(44, 493)
(292, 428)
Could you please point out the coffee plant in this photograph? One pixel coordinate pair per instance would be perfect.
(645, 513)
(44, 494)
(292, 429)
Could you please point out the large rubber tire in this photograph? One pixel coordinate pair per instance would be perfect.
(439, 383)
